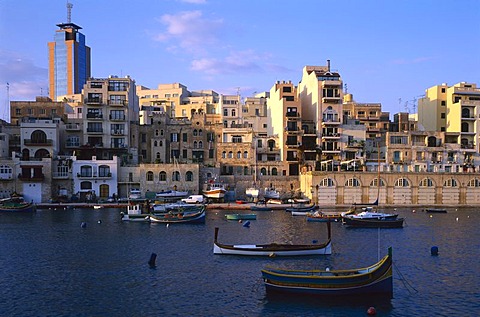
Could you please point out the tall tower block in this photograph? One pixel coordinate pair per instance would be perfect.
(69, 59)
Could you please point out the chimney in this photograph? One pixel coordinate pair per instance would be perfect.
(328, 64)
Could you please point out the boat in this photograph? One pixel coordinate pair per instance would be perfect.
(179, 217)
(273, 249)
(252, 192)
(16, 203)
(260, 208)
(301, 208)
(214, 190)
(373, 223)
(136, 211)
(376, 279)
(318, 216)
(271, 193)
(370, 213)
(171, 194)
(436, 210)
(241, 216)
(97, 207)
(135, 193)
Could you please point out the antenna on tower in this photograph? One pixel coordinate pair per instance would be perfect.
(69, 12)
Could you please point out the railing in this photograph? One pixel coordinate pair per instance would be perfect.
(117, 118)
(94, 116)
(93, 101)
(33, 142)
(94, 130)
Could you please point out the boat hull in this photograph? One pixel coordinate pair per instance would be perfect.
(273, 249)
(27, 207)
(241, 216)
(198, 217)
(214, 193)
(373, 223)
(375, 279)
(260, 208)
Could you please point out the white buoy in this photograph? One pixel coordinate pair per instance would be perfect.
(456, 219)
(167, 225)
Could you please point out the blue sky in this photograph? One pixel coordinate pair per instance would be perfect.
(384, 50)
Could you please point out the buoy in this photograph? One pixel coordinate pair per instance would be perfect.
(431, 216)
(83, 225)
(456, 219)
(327, 269)
(246, 224)
(99, 221)
(413, 210)
(240, 221)
(167, 225)
(371, 311)
(151, 262)
(434, 250)
(272, 255)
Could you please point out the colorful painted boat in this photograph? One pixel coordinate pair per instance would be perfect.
(215, 190)
(373, 280)
(137, 211)
(321, 217)
(16, 203)
(179, 217)
(241, 216)
(273, 249)
(301, 208)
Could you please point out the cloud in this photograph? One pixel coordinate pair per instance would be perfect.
(239, 61)
(189, 30)
(24, 78)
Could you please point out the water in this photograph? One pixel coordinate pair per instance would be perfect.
(50, 266)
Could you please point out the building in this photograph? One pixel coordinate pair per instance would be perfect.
(69, 60)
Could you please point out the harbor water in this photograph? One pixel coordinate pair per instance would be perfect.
(51, 265)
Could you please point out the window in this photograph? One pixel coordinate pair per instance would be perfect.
(239, 155)
(211, 153)
(225, 112)
(200, 132)
(176, 176)
(195, 132)
(245, 154)
(162, 176)
(224, 154)
(143, 137)
(233, 113)
(189, 177)
(230, 154)
(237, 139)
(185, 137)
(104, 171)
(200, 145)
(174, 137)
(442, 115)
(289, 98)
(184, 154)
(443, 103)
(352, 182)
(149, 176)
(287, 89)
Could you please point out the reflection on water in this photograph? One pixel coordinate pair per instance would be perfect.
(101, 270)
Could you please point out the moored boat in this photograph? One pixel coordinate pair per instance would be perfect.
(136, 211)
(369, 214)
(171, 194)
(301, 208)
(16, 203)
(215, 190)
(260, 208)
(241, 216)
(373, 223)
(436, 210)
(376, 279)
(179, 217)
(318, 216)
(273, 249)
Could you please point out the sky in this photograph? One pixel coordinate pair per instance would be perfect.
(386, 51)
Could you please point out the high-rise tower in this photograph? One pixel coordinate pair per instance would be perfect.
(69, 59)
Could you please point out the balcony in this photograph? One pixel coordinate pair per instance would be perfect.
(33, 142)
(116, 118)
(330, 150)
(468, 118)
(118, 103)
(31, 178)
(331, 136)
(293, 145)
(60, 175)
(72, 144)
(331, 122)
(94, 116)
(292, 130)
(332, 99)
(93, 101)
(105, 175)
(292, 115)
(72, 127)
(95, 130)
(117, 132)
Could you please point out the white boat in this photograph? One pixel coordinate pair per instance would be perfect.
(271, 193)
(252, 192)
(97, 207)
(135, 211)
(369, 214)
(215, 190)
(135, 193)
(172, 194)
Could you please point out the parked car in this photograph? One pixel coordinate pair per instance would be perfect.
(193, 199)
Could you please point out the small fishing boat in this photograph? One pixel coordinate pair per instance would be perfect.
(179, 217)
(373, 280)
(436, 210)
(16, 203)
(241, 216)
(271, 193)
(260, 208)
(373, 223)
(136, 211)
(215, 190)
(301, 208)
(318, 216)
(273, 249)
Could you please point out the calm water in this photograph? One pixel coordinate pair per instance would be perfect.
(50, 266)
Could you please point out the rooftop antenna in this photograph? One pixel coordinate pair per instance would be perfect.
(69, 12)
(346, 88)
